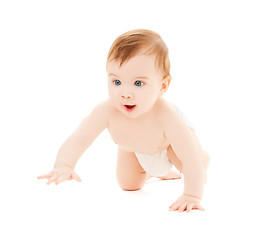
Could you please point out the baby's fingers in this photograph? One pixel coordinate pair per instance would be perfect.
(52, 179)
(174, 206)
(189, 207)
(60, 179)
(182, 207)
(76, 177)
(63, 178)
(198, 206)
(50, 174)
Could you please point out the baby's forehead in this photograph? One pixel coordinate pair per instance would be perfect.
(140, 63)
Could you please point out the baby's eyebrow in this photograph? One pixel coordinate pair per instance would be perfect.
(112, 74)
(142, 78)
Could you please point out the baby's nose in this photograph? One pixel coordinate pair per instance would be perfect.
(126, 96)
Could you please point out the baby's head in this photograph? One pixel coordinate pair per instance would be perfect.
(138, 69)
(139, 41)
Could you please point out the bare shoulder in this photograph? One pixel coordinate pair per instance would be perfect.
(167, 111)
(103, 109)
(95, 122)
(98, 117)
(171, 120)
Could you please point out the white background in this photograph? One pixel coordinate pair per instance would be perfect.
(52, 73)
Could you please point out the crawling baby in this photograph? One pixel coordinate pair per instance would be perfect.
(152, 134)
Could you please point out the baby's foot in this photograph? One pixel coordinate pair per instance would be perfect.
(171, 175)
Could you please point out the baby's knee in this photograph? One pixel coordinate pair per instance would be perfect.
(130, 186)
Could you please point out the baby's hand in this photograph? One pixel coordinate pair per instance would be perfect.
(187, 203)
(60, 174)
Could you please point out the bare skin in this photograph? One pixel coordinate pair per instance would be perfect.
(139, 120)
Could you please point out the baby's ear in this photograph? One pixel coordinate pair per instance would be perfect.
(165, 83)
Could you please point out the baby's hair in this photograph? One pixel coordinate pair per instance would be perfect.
(133, 42)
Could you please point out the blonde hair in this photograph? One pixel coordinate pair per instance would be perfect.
(133, 42)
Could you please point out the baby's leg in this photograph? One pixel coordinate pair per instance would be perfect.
(130, 175)
(176, 162)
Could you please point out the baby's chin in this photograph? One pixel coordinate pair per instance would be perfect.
(133, 114)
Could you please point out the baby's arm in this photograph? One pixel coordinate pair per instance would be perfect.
(188, 150)
(72, 149)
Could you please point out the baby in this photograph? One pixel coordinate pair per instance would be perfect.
(152, 135)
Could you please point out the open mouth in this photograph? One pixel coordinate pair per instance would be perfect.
(129, 108)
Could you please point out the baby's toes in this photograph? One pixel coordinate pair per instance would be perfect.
(172, 175)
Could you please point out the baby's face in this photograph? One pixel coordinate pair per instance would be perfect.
(135, 86)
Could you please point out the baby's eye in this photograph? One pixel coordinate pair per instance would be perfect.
(117, 82)
(139, 83)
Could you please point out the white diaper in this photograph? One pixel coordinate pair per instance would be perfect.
(156, 165)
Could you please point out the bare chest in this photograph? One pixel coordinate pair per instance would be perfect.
(144, 136)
